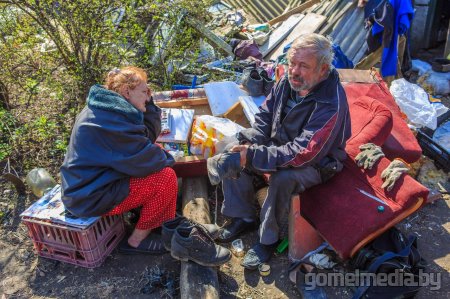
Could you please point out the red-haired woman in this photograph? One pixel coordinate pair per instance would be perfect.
(112, 163)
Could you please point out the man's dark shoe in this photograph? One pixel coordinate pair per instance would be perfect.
(223, 166)
(252, 82)
(193, 243)
(169, 227)
(257, 255)
(234, 228)
(267, 82)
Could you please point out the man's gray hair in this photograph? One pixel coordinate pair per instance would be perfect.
(320, 44)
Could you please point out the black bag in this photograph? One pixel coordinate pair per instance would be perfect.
(391, 252)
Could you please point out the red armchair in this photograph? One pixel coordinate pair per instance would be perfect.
(345, 217)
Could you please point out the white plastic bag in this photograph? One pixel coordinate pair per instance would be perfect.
(211, 134)
(413, 101)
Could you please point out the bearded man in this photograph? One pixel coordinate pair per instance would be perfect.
(297, 141)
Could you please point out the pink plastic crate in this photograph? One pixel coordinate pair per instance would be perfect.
(83, 247)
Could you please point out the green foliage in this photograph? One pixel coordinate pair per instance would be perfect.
(7, 127)
(53, 51)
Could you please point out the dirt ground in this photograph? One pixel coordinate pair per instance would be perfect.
(25, 275)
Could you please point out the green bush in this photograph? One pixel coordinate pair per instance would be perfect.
(7, 128)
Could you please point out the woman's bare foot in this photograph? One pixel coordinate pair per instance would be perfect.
(137, 236)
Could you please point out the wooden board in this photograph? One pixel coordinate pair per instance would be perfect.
(293, 11)
(358, 76)
(279, 34)
(236, 114)
(309, 24)
(197, 281)
(182, 103)
(195, 199)
(222, 96)
(219, 43)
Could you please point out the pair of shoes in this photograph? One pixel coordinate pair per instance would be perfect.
(234, 228)
(258, 254)
(256, 81)
(222, 166)
(152, 245)
(169, 227)
(193, 243)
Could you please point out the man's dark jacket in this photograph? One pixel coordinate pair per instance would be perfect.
(314, 131)
(111, 141)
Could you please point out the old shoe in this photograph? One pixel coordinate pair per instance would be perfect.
(193, 243)
(233, 229)
(252, 82)
(223, 166)
(267, 82)
(169, 227)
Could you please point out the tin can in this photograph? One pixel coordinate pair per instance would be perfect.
(264, 269)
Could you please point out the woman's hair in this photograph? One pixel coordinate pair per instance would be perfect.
(320, 44)
(129, 75)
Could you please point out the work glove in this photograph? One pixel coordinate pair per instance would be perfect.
(392, 173)
(369, 155)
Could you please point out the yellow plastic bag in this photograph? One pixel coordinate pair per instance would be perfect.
(211, 134)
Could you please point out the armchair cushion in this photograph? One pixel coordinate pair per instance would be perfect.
(401, 142)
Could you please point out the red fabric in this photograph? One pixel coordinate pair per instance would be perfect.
(371, 121)
(156, 194)
(191, 168)
(401, 143)
(343, 216)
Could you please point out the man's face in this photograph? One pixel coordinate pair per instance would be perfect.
(304, 71)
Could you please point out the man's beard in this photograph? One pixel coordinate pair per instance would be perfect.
(299, 87)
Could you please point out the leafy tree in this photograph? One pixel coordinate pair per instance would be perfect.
(53, 51)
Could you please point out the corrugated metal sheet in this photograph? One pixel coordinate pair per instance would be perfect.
(261, 10)
(345, 22)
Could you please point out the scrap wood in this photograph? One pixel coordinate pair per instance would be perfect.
(197, 281)
(280, 33)
(211, 36)
(237, 115)
(359, 76)
(308, 24)
(293, 11)
(183, 103)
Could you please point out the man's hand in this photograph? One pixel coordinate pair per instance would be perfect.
(369, 155)
(392, 173)
(243, 151)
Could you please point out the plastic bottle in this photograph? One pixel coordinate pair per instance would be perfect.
(40, 181)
